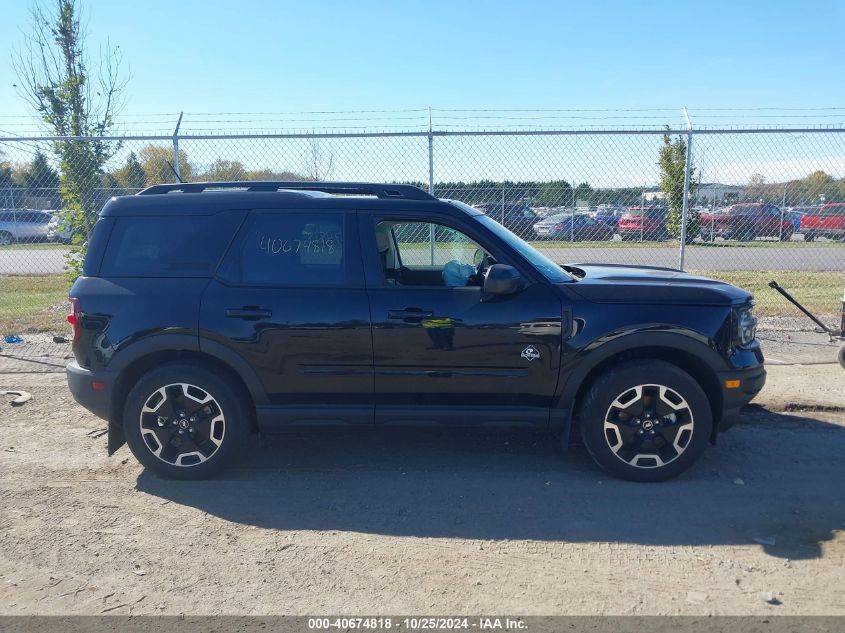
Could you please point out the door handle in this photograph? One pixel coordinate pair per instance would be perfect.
(250, 313)
(410, 315)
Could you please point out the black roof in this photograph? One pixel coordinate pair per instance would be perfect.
(207, 198)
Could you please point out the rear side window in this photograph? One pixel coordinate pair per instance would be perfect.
(168, 246)
(289, 249)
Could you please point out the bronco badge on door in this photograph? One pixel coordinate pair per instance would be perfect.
(530, 353)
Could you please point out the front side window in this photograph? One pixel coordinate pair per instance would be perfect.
(289, 249)
(427, 254)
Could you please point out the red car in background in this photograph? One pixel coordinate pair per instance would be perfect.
(746, 221)
(644, 223)
(827, 221)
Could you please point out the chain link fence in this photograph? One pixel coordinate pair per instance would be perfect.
(760, 204)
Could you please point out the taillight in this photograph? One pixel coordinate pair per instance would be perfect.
(75, 319)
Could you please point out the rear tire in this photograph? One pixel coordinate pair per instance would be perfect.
(6, 238)
(645, 420)
(183, 421)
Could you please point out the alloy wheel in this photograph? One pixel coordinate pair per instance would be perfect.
(182, 424)
(648, 426)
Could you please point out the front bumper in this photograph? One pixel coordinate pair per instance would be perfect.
(751, 381)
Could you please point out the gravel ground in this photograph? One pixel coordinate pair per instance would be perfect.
(410, 521)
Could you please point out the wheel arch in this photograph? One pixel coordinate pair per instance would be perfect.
(174, 348)
(685, 352)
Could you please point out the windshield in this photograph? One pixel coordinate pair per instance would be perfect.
(551, 271)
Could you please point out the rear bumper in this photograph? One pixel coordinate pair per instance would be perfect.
(81, 383)
(751, 381)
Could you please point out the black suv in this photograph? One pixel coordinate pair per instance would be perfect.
(208, 311)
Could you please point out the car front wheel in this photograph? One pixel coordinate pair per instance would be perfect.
(5, 238)
(645, 420)
(184, 422)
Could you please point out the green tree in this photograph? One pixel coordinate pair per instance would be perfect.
(222, 169)
(53, 69)
(672, 163)
(156, 161)
(131, 175)
(7, 184)
(555, 193)
(39, 174)
(583, 193)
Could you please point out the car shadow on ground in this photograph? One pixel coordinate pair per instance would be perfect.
(775, 480)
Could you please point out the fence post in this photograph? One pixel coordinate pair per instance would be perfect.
(176, 167)
(431, 229)
(685, 205)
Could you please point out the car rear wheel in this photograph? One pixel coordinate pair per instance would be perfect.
(184, 422)
(645, 420)
(5, 238)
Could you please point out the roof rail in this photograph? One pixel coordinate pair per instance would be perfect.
(408, 192)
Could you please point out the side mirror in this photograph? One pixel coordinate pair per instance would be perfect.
(502, 279)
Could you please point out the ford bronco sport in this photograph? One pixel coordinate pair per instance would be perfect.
(207, 311)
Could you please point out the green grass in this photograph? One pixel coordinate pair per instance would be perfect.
(819, 292)
(24, 303)
(40, 246)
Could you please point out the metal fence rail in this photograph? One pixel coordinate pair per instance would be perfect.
(579, 195)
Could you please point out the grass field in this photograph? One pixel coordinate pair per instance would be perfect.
(820, 292)
(38, 246)
(26, 301)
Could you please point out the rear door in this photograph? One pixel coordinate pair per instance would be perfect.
(443, 351)
(289, 298)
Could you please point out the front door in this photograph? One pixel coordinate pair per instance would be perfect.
(444, 352)
(289, 298)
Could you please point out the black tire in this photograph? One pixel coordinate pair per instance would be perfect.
(212, 454)
(6, 238)
(841, 356)
(809, 237)
(658, 457)
(786, 235)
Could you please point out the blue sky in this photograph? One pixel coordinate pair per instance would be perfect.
(250, 56)
(283, 59)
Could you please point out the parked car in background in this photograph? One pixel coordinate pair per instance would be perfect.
(827, 221)
(23, 226)
(576, 227)
(518, 218)
(795, 215)
(609, 215)
(644, 223)
(57, 230)
(746, 221)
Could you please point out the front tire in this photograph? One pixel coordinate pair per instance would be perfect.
(645, 420)
(6, 238)
(183, 421)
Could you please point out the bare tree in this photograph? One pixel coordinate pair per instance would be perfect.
(319, 161)
(73, 98)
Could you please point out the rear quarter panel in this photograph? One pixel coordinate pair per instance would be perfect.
(118, 312)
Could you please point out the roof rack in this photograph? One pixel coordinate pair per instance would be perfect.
(408, 192)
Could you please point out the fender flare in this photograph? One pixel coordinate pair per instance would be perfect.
(609, 345)
(174, 342)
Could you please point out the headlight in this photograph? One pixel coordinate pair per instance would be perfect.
(746, 327)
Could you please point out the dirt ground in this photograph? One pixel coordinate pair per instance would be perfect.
(427, 522)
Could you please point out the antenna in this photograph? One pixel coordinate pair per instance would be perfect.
(175, 173)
